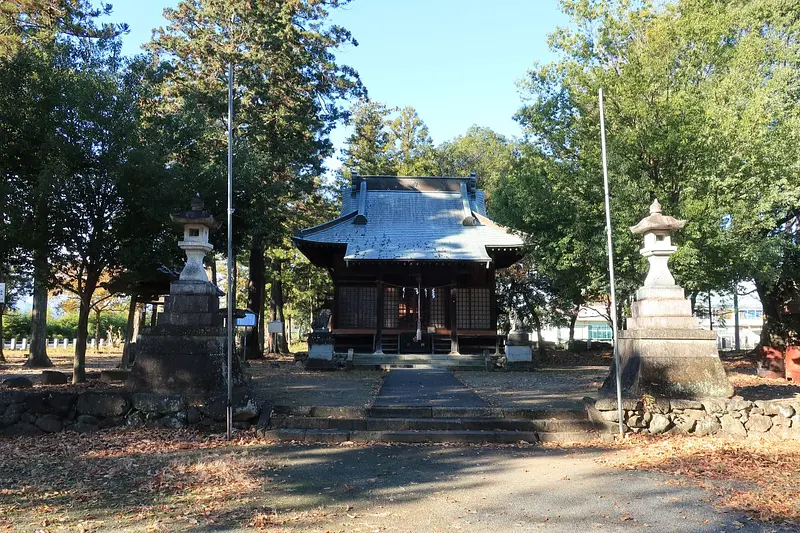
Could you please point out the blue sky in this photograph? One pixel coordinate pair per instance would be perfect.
(456, 62)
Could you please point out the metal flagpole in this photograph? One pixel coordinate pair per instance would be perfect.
(230, 252)
(611, 264)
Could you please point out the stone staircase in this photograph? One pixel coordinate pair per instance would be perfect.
(439, 360)
(432, 424)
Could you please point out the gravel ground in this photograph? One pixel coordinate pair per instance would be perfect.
(62, 361)
(543, 388)
(287, 383)
(176, 484)
(486, 489)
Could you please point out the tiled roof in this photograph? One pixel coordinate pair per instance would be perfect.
(413, 225)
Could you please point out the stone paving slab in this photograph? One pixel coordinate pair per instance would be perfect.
(425, 387)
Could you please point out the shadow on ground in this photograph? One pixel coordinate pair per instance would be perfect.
(135, 481)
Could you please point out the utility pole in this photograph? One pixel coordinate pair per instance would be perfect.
(737, 343)
(610, 246)
(231, 300)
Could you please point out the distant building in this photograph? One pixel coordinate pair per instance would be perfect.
(592, 324)
(751, 320)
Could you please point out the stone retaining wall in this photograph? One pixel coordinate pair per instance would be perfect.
(735, 417)
(39, 412)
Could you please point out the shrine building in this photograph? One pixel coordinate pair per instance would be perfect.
(413, 263)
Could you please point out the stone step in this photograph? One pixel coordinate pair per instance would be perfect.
(432, 424)
(417, 358)
(379, 365)
(565, 437)
(437, 360)
(430, 412)
(407, 437)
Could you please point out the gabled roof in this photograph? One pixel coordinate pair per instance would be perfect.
(412, 219)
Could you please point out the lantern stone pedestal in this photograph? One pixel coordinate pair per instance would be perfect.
(186, 352)
(662, 351)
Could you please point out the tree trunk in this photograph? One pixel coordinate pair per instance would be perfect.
(97, 330)
(693, 299)
(539, 339)
(572, 320)
(131, 331)
(710, 314)
(37, 357)
(256, 289)
(212, 260)
(772, 331)
(235, 281)
(79, 362)
(2, 312)
(271, 347)
(276, 291)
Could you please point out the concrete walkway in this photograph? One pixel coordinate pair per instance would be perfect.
(425, 388)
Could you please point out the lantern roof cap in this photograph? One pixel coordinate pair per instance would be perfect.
(196, 215)
(656, 221)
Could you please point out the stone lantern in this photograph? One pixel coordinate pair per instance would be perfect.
(197, 224)
(186, 351)
(663, 351)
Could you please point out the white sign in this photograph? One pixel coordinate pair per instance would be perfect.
(2, 293)
(275, 326)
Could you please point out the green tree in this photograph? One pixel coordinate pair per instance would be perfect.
(106, 194)
(289, 94)
(35, 61)
(368, 149)
(697, 115)
(383, 144)
(412, 147)
(488, 154)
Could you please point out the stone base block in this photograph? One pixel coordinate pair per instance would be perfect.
(661, 322)
(661, 308)
(519, 353)
(192, 303)
(191, 319)
(114, 375)
(519, 366)
(666, 365)
(322, 352)
(183, 364)
(320, 364)
(193, 287)
(673, 292)
(518, 337)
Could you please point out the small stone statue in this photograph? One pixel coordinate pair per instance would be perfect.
(321, 322)
(517, 323)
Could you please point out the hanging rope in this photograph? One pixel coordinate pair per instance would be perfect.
(419, 310)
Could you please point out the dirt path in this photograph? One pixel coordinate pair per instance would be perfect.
(181, 481)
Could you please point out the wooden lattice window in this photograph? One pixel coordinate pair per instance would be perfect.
(357, 307)
(437, 304)
(473, 308)
(391, 299)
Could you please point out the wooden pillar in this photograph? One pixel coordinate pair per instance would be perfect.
(451, 302)
(378, 344)
(492, 299)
